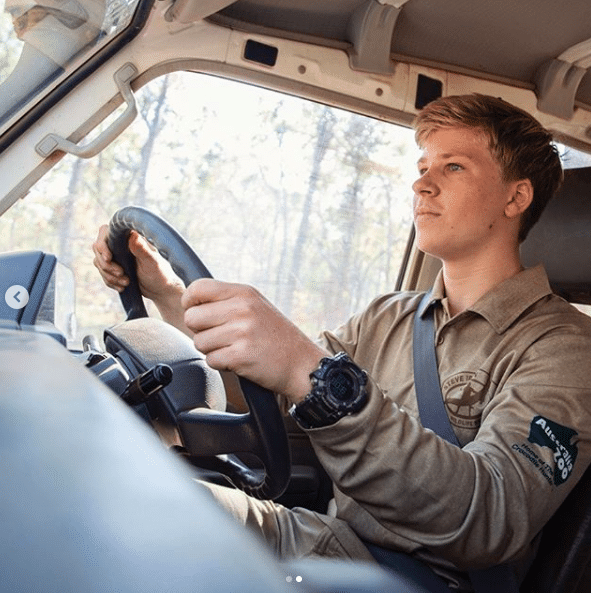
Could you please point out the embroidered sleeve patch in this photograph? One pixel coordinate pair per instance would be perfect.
(557, 438)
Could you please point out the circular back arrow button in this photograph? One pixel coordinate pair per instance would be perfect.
(16, 296)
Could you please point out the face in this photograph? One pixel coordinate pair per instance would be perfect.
(460, 196)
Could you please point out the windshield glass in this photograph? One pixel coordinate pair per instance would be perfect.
(40, 42)
(310, 204)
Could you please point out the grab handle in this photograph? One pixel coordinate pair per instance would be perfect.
(53, 142)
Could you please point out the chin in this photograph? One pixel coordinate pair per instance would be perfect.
(428, 244)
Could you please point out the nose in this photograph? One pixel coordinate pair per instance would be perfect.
(425, 184)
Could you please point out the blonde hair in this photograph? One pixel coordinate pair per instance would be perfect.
(521, 145)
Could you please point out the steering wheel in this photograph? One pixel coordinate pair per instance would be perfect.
(210, 433)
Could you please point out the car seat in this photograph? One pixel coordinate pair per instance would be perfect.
(561, 241)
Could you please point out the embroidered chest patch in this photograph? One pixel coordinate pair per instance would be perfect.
(463, 394)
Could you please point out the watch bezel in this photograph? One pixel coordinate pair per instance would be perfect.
(323, 384)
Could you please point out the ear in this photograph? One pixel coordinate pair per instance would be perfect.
(521, 197)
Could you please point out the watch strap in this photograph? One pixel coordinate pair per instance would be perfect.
(312, 413)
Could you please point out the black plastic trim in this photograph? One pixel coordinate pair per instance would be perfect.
(405, 259)
(41, 283)
(428, 89)
(261, 53)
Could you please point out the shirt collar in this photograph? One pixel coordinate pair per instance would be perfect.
(502, 305)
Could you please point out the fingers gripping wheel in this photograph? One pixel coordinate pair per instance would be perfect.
(171, 245)
(205, 432)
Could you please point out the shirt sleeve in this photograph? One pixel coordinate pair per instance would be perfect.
(400, 485)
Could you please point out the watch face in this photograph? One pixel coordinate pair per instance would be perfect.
(341, 386)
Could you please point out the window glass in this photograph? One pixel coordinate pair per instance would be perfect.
(41, 41)
(572, 158)
(310, 204)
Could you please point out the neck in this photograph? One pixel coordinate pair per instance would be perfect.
(466, 282)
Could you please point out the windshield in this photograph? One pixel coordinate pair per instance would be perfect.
(309, 203)
(42, 42)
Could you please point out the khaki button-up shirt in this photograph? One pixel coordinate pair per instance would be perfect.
(515, 372)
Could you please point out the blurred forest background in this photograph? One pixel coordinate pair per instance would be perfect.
(310, 204)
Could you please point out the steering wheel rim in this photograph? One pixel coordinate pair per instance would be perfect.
(261, 430)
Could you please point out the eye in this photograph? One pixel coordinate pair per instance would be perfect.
(455, 167)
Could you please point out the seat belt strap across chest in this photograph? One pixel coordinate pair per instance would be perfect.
(426, 375)
(496, 579)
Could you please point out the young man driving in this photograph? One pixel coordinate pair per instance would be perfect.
(514, 365)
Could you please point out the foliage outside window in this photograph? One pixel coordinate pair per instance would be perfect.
(310, 204)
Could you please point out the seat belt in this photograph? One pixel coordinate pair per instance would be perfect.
(496, 579)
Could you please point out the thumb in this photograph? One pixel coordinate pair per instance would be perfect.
(140, 247)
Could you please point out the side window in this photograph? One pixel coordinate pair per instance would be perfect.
(41, 42)
(309, 203)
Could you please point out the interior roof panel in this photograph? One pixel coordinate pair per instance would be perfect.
(326, 19)
(505, 38)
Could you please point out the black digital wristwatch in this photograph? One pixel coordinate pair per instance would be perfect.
(338, 389)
